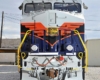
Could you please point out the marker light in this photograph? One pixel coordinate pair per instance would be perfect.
(69, 47)
(34, 47)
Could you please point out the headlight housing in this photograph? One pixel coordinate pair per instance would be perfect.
(34, 47)
(69, 47)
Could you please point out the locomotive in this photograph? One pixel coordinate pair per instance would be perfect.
(52, 40)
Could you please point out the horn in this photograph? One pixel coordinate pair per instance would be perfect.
(84, 6)
(20, 7)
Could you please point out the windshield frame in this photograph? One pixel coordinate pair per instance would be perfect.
(35, 6)
(70, 3)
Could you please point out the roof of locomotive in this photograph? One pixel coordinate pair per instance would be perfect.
(30, 1)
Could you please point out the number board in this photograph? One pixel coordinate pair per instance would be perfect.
(52, 31)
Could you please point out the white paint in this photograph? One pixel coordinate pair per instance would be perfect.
(70, 53)
(44, 53)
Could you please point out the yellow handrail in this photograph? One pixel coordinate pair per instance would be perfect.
(80, 55)
(18, 51)
(86, 51)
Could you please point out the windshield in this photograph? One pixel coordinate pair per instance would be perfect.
(68, 6)
(37, 6)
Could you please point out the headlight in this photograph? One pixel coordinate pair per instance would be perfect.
(34, 47)
(69, 47)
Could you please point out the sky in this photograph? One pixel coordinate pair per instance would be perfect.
(12, 18)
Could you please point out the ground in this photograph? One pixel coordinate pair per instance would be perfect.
(9, 72)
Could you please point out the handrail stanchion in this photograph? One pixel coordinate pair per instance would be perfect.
(59, 40)
(44, 46)
(71, 37)
(32, 37)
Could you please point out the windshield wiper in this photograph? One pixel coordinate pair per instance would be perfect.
(75, 4)
(43, 4)
(33, 5)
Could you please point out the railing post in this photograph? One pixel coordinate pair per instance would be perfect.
(71, 37)
(44, 46)
(59, 41)
(32, 37)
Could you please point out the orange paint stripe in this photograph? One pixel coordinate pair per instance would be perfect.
(55, 41)
(71, 26)
(34, 26)
(41, 39)
(69, 36)
(40, 26)
(64, 38)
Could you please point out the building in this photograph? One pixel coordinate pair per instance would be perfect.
(93, 47)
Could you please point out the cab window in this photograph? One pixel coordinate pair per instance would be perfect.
(68, 6)
(37, 6)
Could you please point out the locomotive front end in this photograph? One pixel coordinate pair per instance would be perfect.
(52, 40)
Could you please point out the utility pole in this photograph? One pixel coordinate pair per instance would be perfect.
(1, 28)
